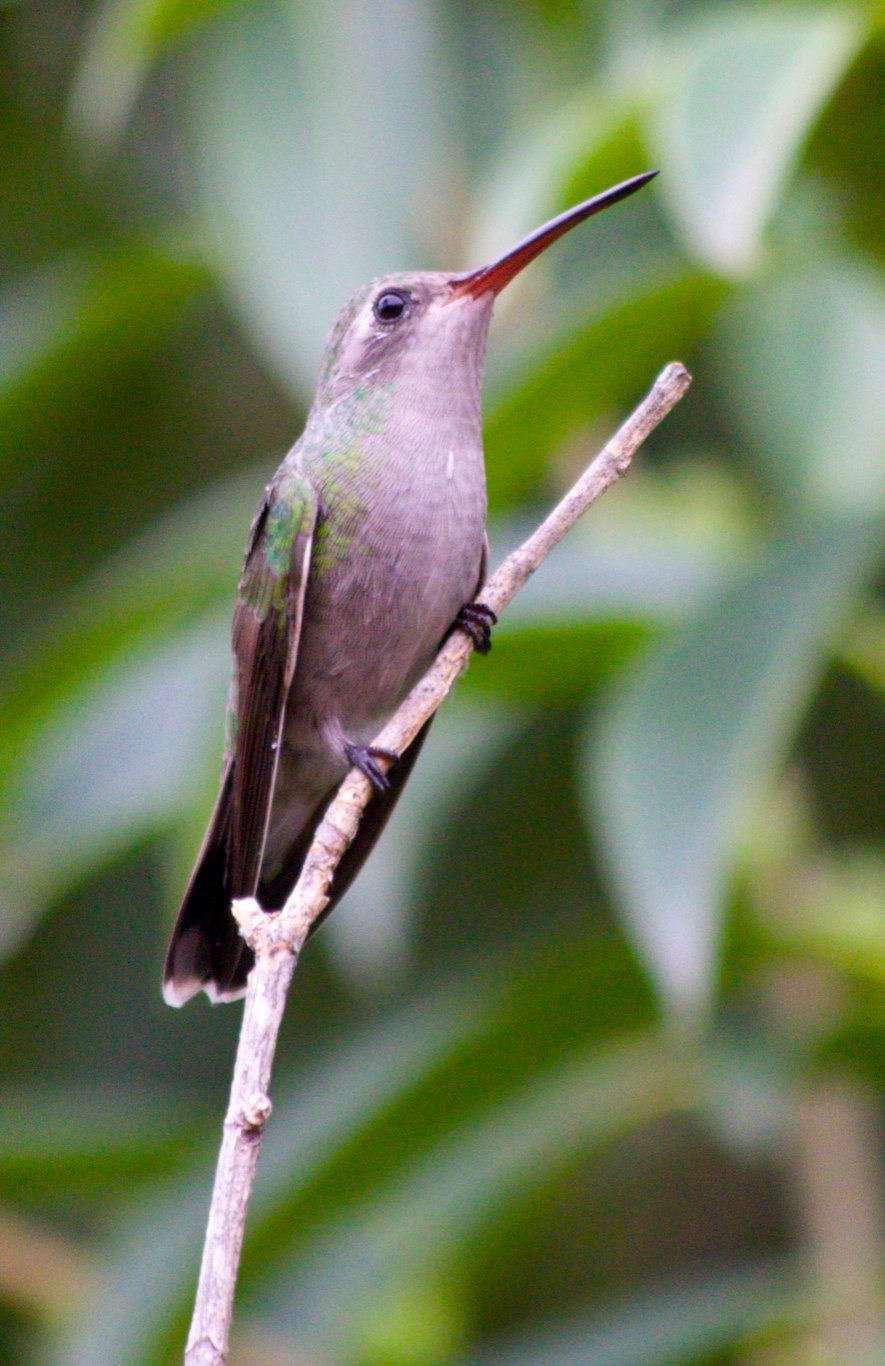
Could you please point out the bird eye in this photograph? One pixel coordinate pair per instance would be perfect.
(390, 305)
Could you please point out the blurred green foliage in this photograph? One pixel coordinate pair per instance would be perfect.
(586, 1067)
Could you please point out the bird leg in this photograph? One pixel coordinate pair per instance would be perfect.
(365, 757)
(477, 620)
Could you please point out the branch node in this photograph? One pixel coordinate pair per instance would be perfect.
(256, 1112)
(252, 920)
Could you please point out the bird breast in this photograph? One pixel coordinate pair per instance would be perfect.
(397, 552)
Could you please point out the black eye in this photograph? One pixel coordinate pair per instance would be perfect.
(390, 305)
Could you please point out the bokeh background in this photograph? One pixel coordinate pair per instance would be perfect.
(586, 1068)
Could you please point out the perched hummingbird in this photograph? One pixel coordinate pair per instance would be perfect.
(367, 548)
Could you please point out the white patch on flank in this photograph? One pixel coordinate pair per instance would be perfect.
(450, 465)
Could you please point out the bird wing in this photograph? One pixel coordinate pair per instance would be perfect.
(206, 950)
(266, 632)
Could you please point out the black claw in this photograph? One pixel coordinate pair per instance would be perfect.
(477, 620)
(364, 757)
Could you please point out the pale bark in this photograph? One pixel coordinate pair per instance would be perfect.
(277, 939)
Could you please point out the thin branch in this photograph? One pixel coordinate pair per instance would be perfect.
(277, 938)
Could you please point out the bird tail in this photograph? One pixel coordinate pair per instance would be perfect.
(206, 951)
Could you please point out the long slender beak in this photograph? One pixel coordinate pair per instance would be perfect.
(494, 277)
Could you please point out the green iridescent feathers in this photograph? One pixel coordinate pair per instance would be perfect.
(267, 628)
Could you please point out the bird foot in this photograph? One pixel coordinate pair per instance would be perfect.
(365, 758)
(477, 620)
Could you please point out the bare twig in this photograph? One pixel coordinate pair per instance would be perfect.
(278, 938)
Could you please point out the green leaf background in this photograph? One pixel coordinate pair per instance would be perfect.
(570, 1073)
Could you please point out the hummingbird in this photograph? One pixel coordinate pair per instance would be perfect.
(367, 549)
